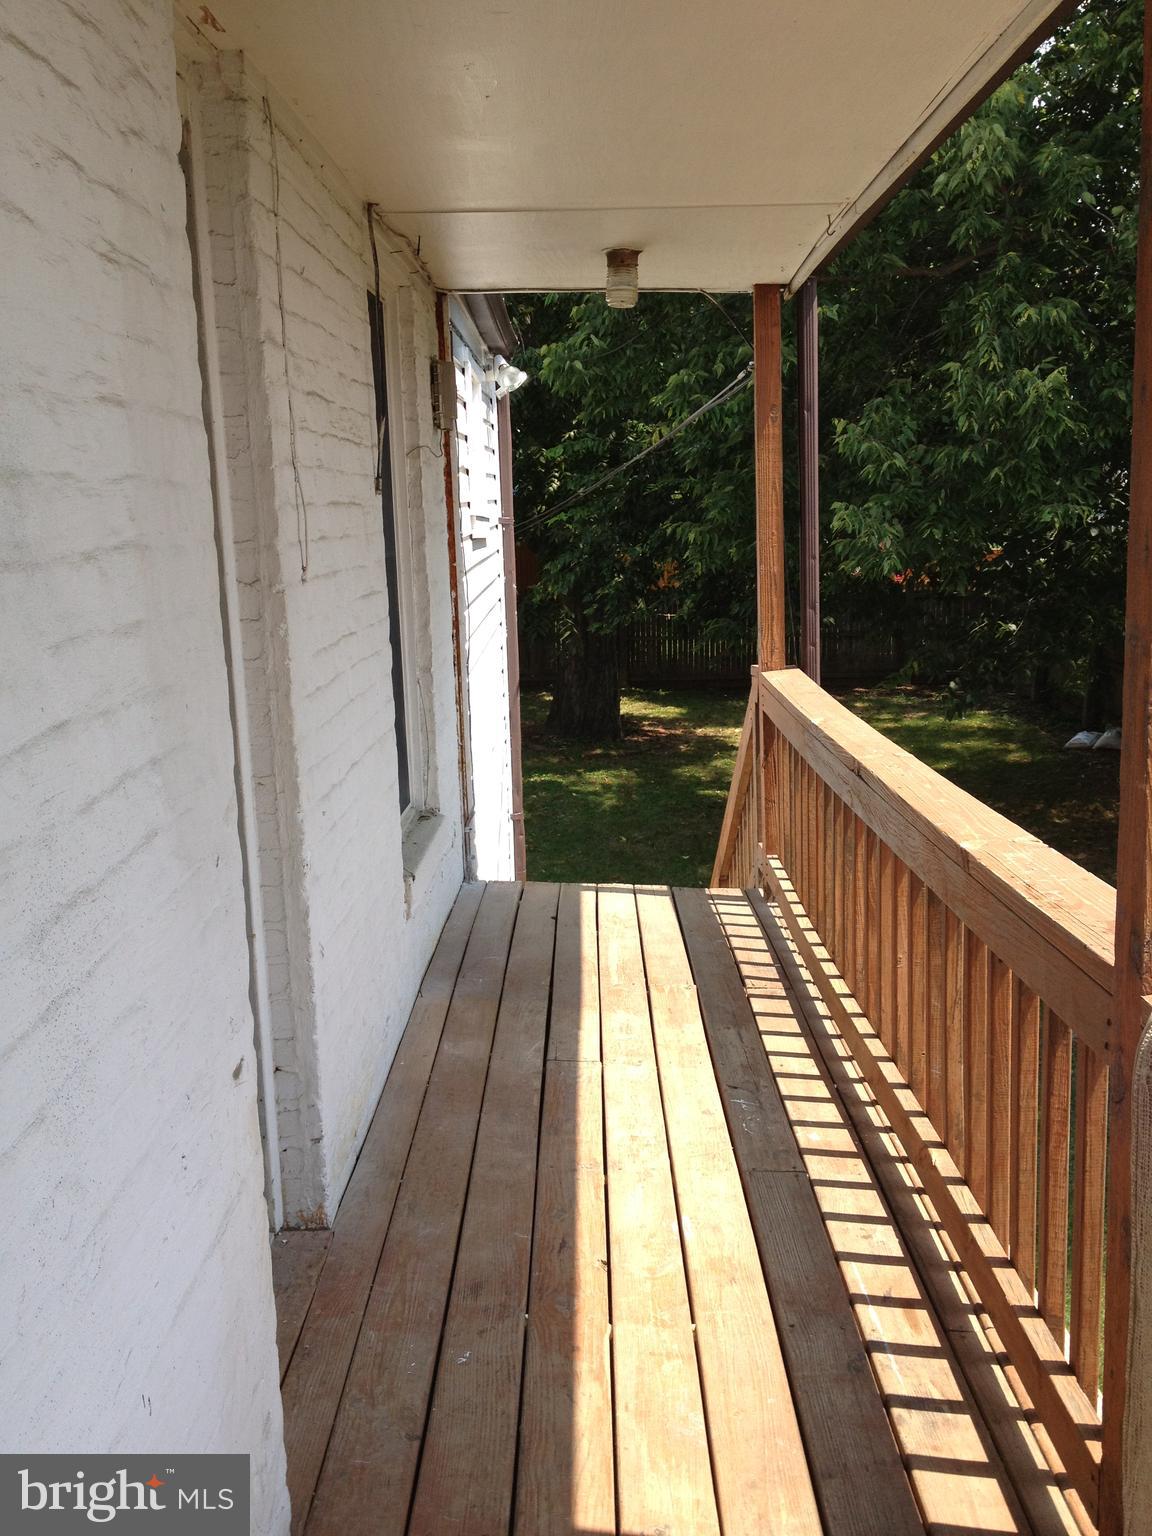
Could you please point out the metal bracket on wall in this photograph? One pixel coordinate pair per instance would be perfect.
(442, 372)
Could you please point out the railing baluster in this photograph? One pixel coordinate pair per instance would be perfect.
(857, 918)
(1090, 1091)
(816, 845)
(918, 966)
(976, 1046)
(1026, 1018)
(784, 791)
(1052, 1285)
(1000, 1100)
(886, 938)
(811, 843)
(955, 1016)
(794, 818)
(802, 823)
(903, 1027)
(935, 1102)
(872, 963)
(845, 896)
(838, 875)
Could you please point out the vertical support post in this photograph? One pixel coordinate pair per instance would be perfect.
(769, 446)
(808, 389)
(767, 348)
(1133, 975)
(511, 634)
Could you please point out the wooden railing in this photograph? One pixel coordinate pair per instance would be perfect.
(738, 852)
(969, 967)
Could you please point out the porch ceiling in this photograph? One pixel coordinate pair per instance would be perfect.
(733, 142)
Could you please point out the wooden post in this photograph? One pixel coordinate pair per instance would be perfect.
(808, 391)
(769, 476)
(1133, 977)
(769, 442)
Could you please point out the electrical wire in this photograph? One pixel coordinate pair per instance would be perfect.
(715, 302)
(740, 382)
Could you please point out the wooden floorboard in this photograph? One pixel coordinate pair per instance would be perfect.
(368, 1475)
(319, 1366)
(621, 1256)
(663, 1471)
(860, 1480)
(297, 1259)
(566, 1476)
(758, 1461)
(574, 1028)
(956, 1474)
(469, 1458)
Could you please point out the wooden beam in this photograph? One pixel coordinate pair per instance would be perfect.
(1133, 974)
(808, 386)
(769, 475)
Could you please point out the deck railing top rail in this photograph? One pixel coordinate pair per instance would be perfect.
(1050, 920)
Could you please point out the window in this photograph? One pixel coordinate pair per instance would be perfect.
(392, 552)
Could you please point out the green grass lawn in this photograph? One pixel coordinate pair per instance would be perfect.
(648, 808)
(645, 809)
(1012, 759)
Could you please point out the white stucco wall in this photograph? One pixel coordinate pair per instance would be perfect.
(483, 607)
(352, 911)
(136, 1287)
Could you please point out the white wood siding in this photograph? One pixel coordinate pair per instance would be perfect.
(483, 611)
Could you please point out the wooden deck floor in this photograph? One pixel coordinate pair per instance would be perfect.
(620, 1255)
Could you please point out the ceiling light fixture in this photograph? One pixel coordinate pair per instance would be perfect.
(623, 286)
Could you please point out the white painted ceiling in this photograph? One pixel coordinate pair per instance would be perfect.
(516, 140)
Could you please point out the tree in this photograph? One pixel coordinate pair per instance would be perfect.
(607, 385)
(975, 380)
(978, 366)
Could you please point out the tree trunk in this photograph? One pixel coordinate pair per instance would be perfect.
(586, 695)
(1101, 706)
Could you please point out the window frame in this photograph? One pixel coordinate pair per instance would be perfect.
(400, 567)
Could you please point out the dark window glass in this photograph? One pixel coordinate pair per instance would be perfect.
(388, 514)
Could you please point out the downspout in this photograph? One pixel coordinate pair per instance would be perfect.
(458, 658)
(508, 527)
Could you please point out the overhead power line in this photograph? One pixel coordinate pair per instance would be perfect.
(741, 381)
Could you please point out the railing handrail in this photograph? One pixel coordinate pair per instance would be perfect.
(1049, 919)
(969, 969)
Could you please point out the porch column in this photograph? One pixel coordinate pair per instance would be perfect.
(808, 391)
(769, 476)
(1126, 1481)
(769, 448)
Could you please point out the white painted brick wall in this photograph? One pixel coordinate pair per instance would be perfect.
(136, 1288)
(348, 937)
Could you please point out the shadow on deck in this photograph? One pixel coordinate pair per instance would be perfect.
(630, 1248)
